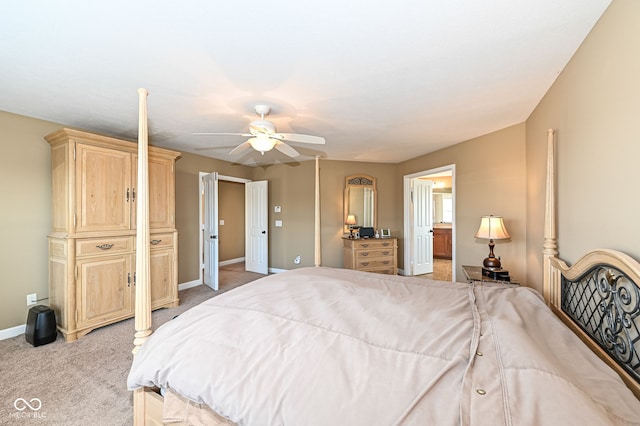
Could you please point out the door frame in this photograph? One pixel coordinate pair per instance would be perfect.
(201, 217)
(408, 252)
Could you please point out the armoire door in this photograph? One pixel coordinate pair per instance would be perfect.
(104, 289)
(104, 193)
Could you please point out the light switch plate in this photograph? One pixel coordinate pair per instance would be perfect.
(278, 223)
(277, 209)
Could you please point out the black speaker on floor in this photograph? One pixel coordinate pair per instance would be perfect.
(41, 325)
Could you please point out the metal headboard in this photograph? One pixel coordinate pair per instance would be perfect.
(597, 297)
(605, 303)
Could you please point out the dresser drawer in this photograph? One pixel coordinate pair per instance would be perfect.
(387, 270)
(107, 245)
(383, 262)
(371, 244)
(376, 253)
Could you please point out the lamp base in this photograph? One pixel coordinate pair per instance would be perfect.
(491, 263)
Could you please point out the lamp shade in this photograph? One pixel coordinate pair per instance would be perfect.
(492, 228)
(262, 143)
(351, 219)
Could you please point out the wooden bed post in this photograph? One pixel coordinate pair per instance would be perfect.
(318, 251)
(550, 247)
(141, 277)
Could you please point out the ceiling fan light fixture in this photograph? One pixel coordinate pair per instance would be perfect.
(262, 144)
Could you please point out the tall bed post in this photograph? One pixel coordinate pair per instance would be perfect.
(318, 251)
(141, 279)
(550, 247)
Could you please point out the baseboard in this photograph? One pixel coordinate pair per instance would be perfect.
(189, 284)
(276, 270)
(8, 333)
(231, 261)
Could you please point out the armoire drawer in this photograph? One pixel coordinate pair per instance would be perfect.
(107, 245)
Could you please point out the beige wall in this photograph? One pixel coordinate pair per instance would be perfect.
(292, 186)
(188, 170)
(25, 191)
(231, 211)
(594, 106)
(490, 178)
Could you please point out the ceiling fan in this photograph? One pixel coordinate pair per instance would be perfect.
(263, 137)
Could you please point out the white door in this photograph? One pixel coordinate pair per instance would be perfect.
(210, 232)
(422, 226)
(257, 227)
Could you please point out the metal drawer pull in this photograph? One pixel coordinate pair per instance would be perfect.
(385, 244)
(155, 242)
(386, 252)
(365, 245)
(386, 262)
(104, 246)
(365, 253)
(364, 263)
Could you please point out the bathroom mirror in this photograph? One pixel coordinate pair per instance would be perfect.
(360, 198)
(442, 205)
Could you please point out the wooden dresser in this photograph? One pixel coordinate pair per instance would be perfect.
(379, 255)
(92, 259)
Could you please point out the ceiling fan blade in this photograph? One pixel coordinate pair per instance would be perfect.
(227, 134)
(242, 147)
(292, 137)
(286, 149)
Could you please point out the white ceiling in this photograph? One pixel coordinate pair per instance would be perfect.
(381, 81)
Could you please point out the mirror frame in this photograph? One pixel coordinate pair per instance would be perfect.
(360, 181)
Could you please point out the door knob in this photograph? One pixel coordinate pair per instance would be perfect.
(213, 237)
(264, 232)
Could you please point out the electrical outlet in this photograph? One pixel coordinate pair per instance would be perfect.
(32, 299)
(297, 260)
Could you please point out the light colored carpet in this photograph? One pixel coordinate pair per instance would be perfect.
(84, 382)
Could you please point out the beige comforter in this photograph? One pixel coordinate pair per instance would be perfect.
(322, 346)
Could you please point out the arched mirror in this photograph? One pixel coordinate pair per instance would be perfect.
(360, 198)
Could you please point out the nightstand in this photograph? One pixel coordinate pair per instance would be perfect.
(474, 274)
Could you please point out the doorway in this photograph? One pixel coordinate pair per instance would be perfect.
(430, 216)
(229, 211)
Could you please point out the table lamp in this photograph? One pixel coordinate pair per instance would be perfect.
(492, 228)
(351, 220)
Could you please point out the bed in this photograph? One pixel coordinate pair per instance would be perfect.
(325, 346)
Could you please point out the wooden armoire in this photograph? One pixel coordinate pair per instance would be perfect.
(92, 243)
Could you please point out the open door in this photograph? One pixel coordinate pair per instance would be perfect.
(210, 231)
(257, 227)
(422, 236)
